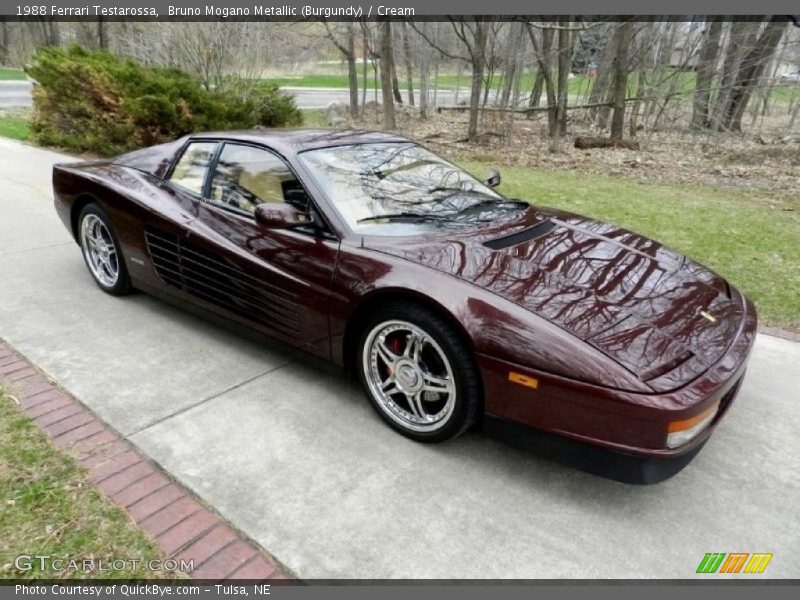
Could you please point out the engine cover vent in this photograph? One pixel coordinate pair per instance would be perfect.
(521, 236)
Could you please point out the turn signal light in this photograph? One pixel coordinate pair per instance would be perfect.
(680, 432)
(521, 379)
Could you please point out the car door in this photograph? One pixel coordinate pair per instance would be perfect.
(276, 280)
(167, 218)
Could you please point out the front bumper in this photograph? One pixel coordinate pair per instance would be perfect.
(628, 424)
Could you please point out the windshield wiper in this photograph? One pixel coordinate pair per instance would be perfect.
(405, 216)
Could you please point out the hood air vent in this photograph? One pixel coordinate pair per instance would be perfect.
(521, 236)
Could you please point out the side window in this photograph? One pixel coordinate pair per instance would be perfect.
(190, 172)
(246, 177)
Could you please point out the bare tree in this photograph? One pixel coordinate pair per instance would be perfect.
(49, 31)
(753, 65)
(558, 90)
(740, 37)
(473, 35)
(474, 38)
(623, 35)
(102, 34)
(565, 41)
(389, 121)
(602, 83)
(347, 47)
(512, 66)
(641, 76)
(407, 58)
(424, 72)
(706, 69)
(544, 61)
(4, 42)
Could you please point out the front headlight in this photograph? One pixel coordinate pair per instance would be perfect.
(681, 432)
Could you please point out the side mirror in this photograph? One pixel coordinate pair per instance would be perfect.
(279, 216)
(493, 178)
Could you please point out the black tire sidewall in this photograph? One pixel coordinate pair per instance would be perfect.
(123, 283)
(465, 371)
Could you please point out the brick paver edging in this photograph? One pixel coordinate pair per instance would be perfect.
(182, 527)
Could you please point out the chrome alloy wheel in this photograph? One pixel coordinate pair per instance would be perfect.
(409, 375)
(99, 250)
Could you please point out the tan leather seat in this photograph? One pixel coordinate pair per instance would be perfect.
(266, 185)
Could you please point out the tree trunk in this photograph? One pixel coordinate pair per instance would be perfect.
(407, 57)
(398, 97)
(386, 76)
(424, 70)
(738, 41)
(102, 36)
(641, 78)
(624, 35)
(352, 71)
(752, 67)
(3, 42)
(52, 32)
(602, 79)
(536, 91)
(564, 67)
(511, 60)
(793, 118)
(543, 59)
(478, 55)
(706, 68)
(364, 52)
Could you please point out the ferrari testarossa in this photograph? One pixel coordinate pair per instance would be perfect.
(453, 305)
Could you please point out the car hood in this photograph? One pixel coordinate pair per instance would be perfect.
(658, 314)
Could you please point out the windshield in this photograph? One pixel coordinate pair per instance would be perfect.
(400, 188)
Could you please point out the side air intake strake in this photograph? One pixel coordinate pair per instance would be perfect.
(200, 273)
(521, 236)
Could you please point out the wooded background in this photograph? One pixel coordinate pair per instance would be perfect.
(617, 79)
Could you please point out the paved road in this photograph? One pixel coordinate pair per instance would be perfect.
(297, 459)
(15, 94)
(18, 94)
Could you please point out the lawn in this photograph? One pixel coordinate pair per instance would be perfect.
(681, 82)
(14, 127)
(49, 507)
(752, 241)
(12, 74)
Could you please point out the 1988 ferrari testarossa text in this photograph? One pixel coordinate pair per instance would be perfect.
(453, 305)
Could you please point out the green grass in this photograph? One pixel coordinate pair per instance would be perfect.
(14, 127)
(12, 74)
(49, 507)
(752, 241)
(579, 85)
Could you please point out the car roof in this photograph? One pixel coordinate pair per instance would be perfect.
(297, 140)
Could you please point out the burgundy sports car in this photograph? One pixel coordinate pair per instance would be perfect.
(454, 306)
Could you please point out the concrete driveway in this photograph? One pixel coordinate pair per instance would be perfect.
(296, 458)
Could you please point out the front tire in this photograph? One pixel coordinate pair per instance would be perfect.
(101, 251)
(418, 373)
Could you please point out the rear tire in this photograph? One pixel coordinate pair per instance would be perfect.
(418, 372)
(101, 251)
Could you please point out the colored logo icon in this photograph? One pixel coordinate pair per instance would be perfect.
(734, 562)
